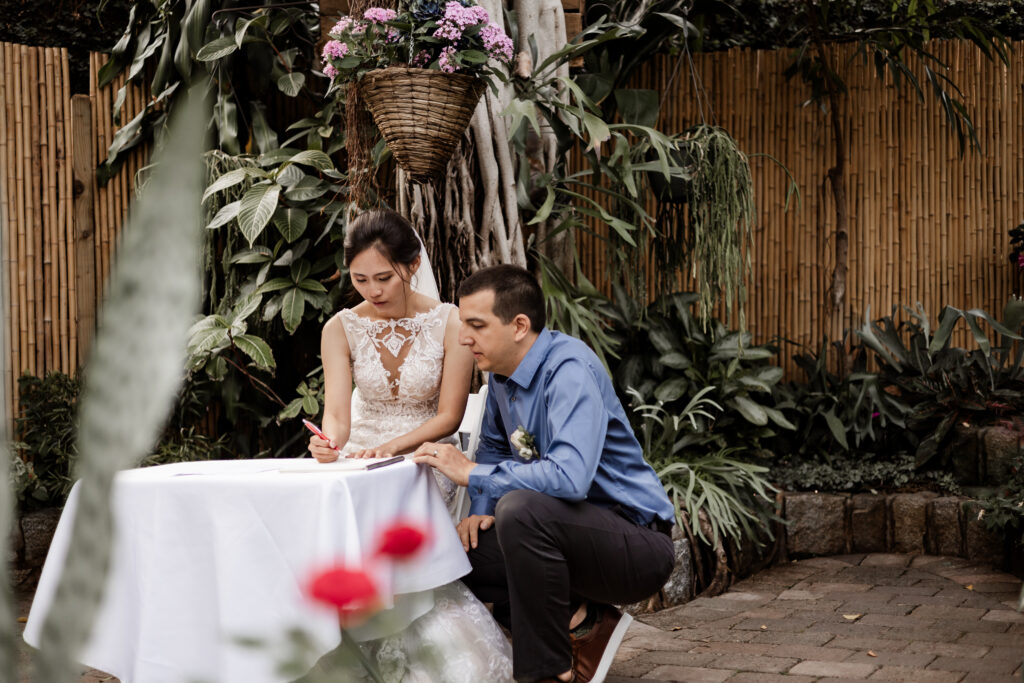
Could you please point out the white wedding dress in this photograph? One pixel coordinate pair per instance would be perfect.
(457, 640)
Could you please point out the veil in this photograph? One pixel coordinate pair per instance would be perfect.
(423, 279)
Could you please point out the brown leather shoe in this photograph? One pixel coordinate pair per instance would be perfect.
(593, 653)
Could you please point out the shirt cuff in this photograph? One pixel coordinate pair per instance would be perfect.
(480, 502)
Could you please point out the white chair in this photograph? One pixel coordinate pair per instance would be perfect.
(469, 437)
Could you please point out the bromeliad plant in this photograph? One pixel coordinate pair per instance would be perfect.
(945, 386)
(457, 37)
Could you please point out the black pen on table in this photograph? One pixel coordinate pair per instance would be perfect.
(384, 463)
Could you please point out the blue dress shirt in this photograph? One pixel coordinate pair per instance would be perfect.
(584, 447)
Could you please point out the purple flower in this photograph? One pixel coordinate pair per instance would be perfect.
(445, 60)
(496, 42)
(379, 14)
(1020, 260)
(330, 72)
(335, 49)
(875, 414)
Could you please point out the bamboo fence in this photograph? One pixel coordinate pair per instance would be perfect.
(48, 148)
(925, 225)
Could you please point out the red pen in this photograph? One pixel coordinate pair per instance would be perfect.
(316, 430)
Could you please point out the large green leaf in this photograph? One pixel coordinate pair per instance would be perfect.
(751, 411)
(256, 208)
(232, 178)
(314, 158)
(672, 389)
(257, 349)
(227, 213)
(293, 304)
(216, 49)
(291, 223)
(291, 83)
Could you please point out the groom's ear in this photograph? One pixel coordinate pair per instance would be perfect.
(521, 326)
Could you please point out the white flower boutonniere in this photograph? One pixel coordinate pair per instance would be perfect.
(524, 443)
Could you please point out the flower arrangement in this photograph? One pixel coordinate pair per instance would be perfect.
(524, 443)
(457, 37)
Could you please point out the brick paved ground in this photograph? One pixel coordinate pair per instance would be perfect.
(919, 619)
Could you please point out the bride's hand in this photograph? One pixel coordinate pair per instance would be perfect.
(382, 451)
(323, 451)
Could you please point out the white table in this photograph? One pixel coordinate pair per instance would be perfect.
(207, 553)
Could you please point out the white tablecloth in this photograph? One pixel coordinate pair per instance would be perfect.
(209, 553)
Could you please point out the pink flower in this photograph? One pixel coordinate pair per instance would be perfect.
(335, 49)
(496, 42)
(330, 72)
(448, 32)
(341, 26)
(422, 58)
(379, 14)
(445, 60)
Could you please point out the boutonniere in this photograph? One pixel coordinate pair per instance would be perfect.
(524, 442)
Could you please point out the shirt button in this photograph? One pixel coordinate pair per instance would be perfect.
(513, 399)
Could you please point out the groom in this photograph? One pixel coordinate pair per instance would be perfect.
(566, 517)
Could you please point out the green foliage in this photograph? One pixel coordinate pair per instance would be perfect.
(900, 29)
(838, 415)
(1002, 510)
(734, 496)
(668, 356)
(859, 472)
(44, 451)
(943, 386)
(614, 128)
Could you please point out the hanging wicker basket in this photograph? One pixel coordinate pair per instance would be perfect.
(422, 114)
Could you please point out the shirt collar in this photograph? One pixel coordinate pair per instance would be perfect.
(527, 368)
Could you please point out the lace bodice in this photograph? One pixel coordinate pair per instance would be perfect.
(396, 367)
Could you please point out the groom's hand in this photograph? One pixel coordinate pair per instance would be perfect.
(446, 458)
(469, 529)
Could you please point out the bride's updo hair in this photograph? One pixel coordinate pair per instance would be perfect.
(385, 230)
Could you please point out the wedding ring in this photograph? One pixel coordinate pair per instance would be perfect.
(435, 452)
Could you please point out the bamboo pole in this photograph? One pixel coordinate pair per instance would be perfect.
(6, 233)
(69, 292)
(84, 249)
(25, 312)
(48, 154)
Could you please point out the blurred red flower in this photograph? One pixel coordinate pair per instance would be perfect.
(350, 590)
(400, 541)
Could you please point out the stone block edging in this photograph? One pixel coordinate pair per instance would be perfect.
(917, 523)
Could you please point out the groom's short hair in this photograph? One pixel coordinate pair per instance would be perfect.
(515, 291)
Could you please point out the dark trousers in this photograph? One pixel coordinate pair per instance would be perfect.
(544, 556)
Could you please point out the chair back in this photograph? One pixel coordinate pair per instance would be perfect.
(469, 437)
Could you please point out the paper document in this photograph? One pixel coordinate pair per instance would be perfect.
(305, 465)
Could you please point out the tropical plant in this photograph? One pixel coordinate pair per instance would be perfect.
(457, 37)
(944, 386)
(720, 501)
(668, 356)
(45, 432)
(848, 415)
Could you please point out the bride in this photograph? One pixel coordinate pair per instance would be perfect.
(400, 348)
